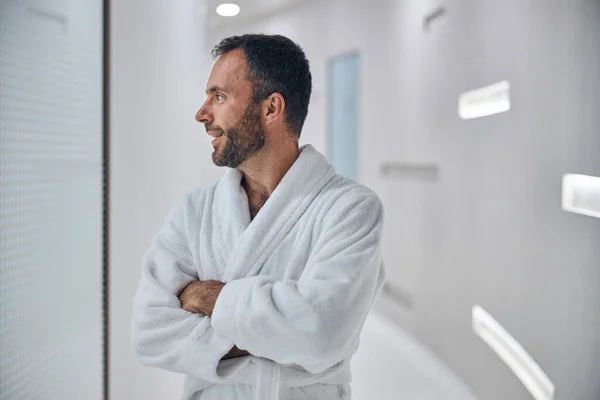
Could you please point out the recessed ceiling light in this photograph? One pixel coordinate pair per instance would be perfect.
(228, 10)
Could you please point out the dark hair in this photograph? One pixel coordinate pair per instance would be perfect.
(276, 65)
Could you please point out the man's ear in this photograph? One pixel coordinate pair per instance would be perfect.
(275, 108)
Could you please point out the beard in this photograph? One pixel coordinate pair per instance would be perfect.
(242, 141)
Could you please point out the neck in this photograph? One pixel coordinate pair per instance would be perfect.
(265, 170)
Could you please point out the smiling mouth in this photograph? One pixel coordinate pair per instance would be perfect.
(216, 140)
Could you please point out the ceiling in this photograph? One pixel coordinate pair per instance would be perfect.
(249, 10)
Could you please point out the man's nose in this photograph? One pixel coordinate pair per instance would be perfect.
(202, 115)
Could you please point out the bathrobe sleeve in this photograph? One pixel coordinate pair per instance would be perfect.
(314, 322)
(163, 334)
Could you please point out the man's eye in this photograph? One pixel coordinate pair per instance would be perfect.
(220, 97)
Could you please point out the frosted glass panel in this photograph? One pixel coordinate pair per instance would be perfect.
(342, 146)
(51, 314)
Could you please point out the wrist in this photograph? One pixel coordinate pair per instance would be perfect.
(211, 290)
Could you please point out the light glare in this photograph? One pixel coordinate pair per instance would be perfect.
(228, 10)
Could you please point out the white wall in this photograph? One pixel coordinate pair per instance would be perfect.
(490, 229)
(158, 68)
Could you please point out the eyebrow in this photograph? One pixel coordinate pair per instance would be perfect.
(214, 89)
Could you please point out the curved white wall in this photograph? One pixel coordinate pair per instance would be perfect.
(482, 223)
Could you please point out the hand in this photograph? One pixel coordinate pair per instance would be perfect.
(201, 296)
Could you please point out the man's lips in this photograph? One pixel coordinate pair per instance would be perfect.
(216, 140)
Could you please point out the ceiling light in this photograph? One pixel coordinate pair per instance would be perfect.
(228, 10)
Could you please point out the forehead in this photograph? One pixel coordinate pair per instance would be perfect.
(230, 72)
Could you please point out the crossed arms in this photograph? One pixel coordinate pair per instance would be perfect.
(200, 297)
(183, 324)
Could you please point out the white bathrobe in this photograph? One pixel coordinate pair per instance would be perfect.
(300, 279)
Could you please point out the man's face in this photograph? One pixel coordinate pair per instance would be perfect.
(229, 114)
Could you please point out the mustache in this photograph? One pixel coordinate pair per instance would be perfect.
(215, 128)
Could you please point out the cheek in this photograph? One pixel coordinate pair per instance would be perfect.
(225, 118)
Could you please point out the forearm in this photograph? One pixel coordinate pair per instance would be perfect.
(166, 336)
(311, 333)
(314, 324)
(171, 340)
(200, 297)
